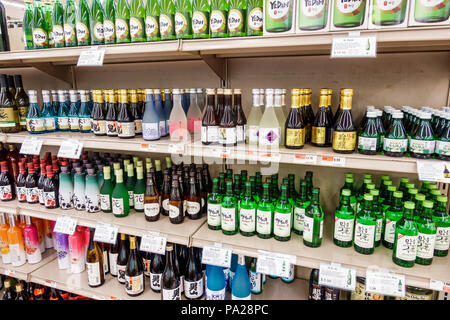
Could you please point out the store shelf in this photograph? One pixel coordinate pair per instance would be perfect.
(275, 289)
(26, 269)
(133, 224)
(328, 252)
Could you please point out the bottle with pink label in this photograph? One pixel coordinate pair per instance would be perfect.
(194, 115)
(77, 252)
(32, 246)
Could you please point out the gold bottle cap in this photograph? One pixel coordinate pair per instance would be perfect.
(330, 91)
(211, 91)
(295, 92)
(228, 91)
(237, 91)
(308, 91)
(148, 91)
(323, 91)
(347, 92)
(220, 91)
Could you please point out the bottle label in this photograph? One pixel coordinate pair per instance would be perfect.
(99, 127)
(299, 217)
(406, 247)
(63, 123)
(50, 123)
(295, 137)
(105, 262)
(425, 245)
(193, 207)
(255, 19)
(137, 126)
(240, 133)
(217, 21)
(378, 229)
(165, 23)
(344, 141)
(264, 222)
(171, 294)
(155, 281)
(212, 133)
(364, 235)
(422, 146)
(269, 136)
(32, 195)
(235, 20)
(443, 147)
(432, 3)
(21, 194)
(93, 270)
(193, 289)
(279, 10)
(174, 211)
(50, 199)
(85, 124)
(99, 31)
(40, 37)
(74, 123)
(215, 295)
(139, 201)
(150, 131)
(214, 214)
(32, 249)
(69, 34)
(41, 196)
(58, 34)
(308, 229)
(162, 128)
(134, 285)
(111, 128)
(17, 254)
(10, 117)
(113, 263)
(247, 222)
(125, 129)
(253, 134)
(228, 218)
(117, 206)
(384, 5)
(395, 145)
(131, 198)
(255, 282)
(5, 192)
(369, 144)
(151, 26)
(181, 23)
(282, 224)
(136, 27)
(105, 203)
(82, 32)
(35, 124)
(312, 8)
(165, 204)
(442, 238)
(343, 229)
(389, 231)
(121, 270)
(318, 135)
(199, 22)
(151, 209)
(109, 30)
(121, 29)
(65, 199)
(227, 135)
(345, 6)
(146, 263)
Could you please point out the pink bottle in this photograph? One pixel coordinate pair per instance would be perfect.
(32, 246)
(86, 234)
(77, 252)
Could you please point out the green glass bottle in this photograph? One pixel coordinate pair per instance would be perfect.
(282, 217)
(218, 19)
(349, 185)
(137, 21)
(442, 220)
(431, 11)
(405, 246)
(40, 27)
(58, 24)
(364, 189)
(122, 22)
(344, 219)
(200, 19)
(392, 215)
(442, 149)
(83, 24)
(312, 15)
(264, 214)
(377, 210)
(427, 235)
(48, 12)
(106, 190)
(389, 200)
(278, 15)
(365, 227)
(418, 202)
(254, 18)
(183, 19)
(130, 183)
(229, 212)
(167, 20)
(369, 137)
(395, 143)
(388, 13)
(237, 16)
(120, 198)
(109, 22)
(301, 204)
(247, 212)
(411, 196)
(214, 206)
(152, 20)
(383, 189)
(28, 25)
(97, 28)
(139, 190)
(402, 186)
(70, 20)
(313, 223)
(422, 143)
(349, 14)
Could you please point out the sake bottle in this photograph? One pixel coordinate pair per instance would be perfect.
(442, 148)
(109, 22)
(218, 19)
(152, 11)
(48, 114)
(237, 18)
(369, 137)
(344, 130)
(120, 197)
(422, 143)
(247, 212)
(280, 113)
(34, 120)
(48, 12)
(83, 24)
(164, 132)
(58, 24)
(79, 183)
(269, 127)
(426, 234)
(442, 220)
(282, 217)
(254, 25)
(214, 206)
(137, 21)
(96, 24)
(229, 212)
(183, 19)
(91, 193)
(122, 22)
(240, 287)
(344, 221)
(254, 119)
(365, 227)
(313, 223)
(70, 19)
(40, 27)
(395, 143)
(167, 20)
(106, 191)
(322, 127)
(200, 19)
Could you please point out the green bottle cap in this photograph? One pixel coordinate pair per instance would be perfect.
(229, 183)
(349, 175)
(442, 199)
(387, 183)
(265, 185)
(410, 185)
(368, 197)
(367, 176)
(404, 180)
(392, 188)
(370, 186)
(346, 193)
(426, 183)
(431, 186)
(375, 192)
(215, 180)
(420, 197)
(315, 190)
(303, 183)
(249, 184)
(385, 178)
(398, 194)
(413, 191)
(435, 192)
(349, 180)
(284, 187)
(367, 181)
(409, 205)
(427, 204)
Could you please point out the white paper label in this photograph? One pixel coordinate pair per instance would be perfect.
(282, 224)
(117, 206)
(214, 214)
(335, 276)
(343, 229)
(354, 47)
(332, 161)
(151, 209)
(106, 233)
(134, 285)
(364, 235)
(105, 204)
(247, 221)
(93, 270)
(65, 225)
(174, 211)
(193, 289)
(304, 158)
(275, 264)
(192, 207)
(386, 283)
(425, 245)
(153, 243)
(422, 146)
(369, 144)
(91, 58)
(299, 218)
(308, 229)
(269, 136)
(31, 146)
(70, 149)
(228, 219)
(264, 222)
(155, 281)
(216, 256)
(215, 295)
(389, 231)
(442, 147)
(442, 238)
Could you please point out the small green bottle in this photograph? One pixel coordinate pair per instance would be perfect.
(282, 217)
(365, 227)
(349, 14)
(70, 20)
(344, 218)
(183, 19)
(40, 27)
(422, 141)
(313, 224)
(411, 196)
(152, 20)
(418, 202)
(237, 16)
(218, 19)
(431, 11)
(106, 190)
(214, 206)
(83, 24)
(442, 149)
(369, 137)
(312, 15)
(109, 22)
(122, 22)
(301, 204)
(167, 20)
(28, 25)
(139, 190)
(402, 186)
(200, 19)
(255, 18)
(247, 212)
(58, 24)
(383, 189)
(229, 212)
(405, 246)
(130, 183)
(427, 235)
(97, 28)
(349, 185)
(377, 210)
(388, 13)
(264, 214)
(392, 215)
(442, 220)
(137, 21)
(120, 198)
(278, 15)
(364, 189)
(395, 143)
(389, 200)
(48, 12)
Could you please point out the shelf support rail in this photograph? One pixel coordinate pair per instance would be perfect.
(63, 73)
(218, 65)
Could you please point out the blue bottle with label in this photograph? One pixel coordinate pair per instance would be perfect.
(150, 119)
(240, 289)
(48, 113)
(215, 283)
(163, 128)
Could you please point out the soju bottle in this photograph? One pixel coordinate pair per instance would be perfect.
(386, 13)
(218, 19)
(96, 24)
(301, 205)
(265, 215)
(377, 210)
(152, 20)
(349, 185)
(214, 206)
(229, 211)
(396, 142)
(254, 18)
(83, 24)
(313, 224)
(28, 25)
(167, 20)
(344, 217)
(122, 22)
(349, 14)
(183, 19)
(200, 19)
(39, 27)
(120, 197)
(70, 19)
(139, 190)
(322, 127)
(312, 15)
(442, 148)
(442, 220)
(278, 15)
(427, 234)
(295, 125)
(429, 12)
(422, 141)
(237, 15)
(106, 190)
(391, 216)
(137, 21)
(344, 131)
(406, 233)
(365, 227)
(58, 24)
(368, 137)
(247, 212)
(130, 184)
(109, 22)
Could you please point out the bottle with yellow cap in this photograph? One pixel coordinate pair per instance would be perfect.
(322, 127)
(295, 127)
(344, 130)
(136, 112)
(98, 114)
(111, 113)
(125, 119)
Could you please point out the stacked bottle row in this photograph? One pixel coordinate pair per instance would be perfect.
(14, 104)
(253, 207)
(109, 22)
(413, 223)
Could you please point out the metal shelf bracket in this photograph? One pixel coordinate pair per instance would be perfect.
(218, 65)
(63, 73)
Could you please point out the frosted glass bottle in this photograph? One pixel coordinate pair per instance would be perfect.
(269, 127)
(150, 119)
(79, 185)
(215, 283)
(281, 117)
(167, 106)
(240, 285)
(254, 118)
(65, 188)
(91, 192)
(178, 120)
(194, 115)
(162, 116)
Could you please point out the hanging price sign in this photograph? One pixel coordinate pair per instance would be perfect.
(106, 233)
(65, 225)
(385, 282)
(354, 47)
(92, 57)
(71, 149)
(217, 255)
(275, 264)
(335, 276)
(10, 273)
(440, 285)
(153, 242)
(31, 146)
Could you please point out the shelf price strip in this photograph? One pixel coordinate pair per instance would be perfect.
(31, 146)
(148, 147)
(153, 242)
(275, 264)
(332, 161)
(70, 148)
(335, 276)
(440, 285)
(384, 282)
(106, 233)
(176, 148)
(65, 225)
(304, 158)
(217, 255)
(92, 57)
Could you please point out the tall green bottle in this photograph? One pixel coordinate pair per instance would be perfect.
(109, 22)
(264, 214)
(58, 24)
(349, 14)
(48, 12)
(229, 214)
(406, 233)
(167, 20)
(120, 197)
(344, 217)
(28, 25)
(378, 211)
(106, 190)
(40, 27)
(96, 23)
(427, 235)
(200, 19)
(392, 215)
(139, 190)
(431, 11)
(254, 26)
(122, 22)
(152, 20)
(83, 24)
(301, 204)
(218, 19)
(388, 13)
(278, 15)
(313, 225)
(312, 15)
(237, 18)
(70, 20)
(247, 212)
(282, 219)
(137, 21)
(365, 227)
(214, 206)
(183, 19)
(442, 220)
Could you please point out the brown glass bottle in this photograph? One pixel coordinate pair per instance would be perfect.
(50, 190)
(7, 190)
(175, 202)
(241, 120)
(31, 185)
(309, 111)
(219, 104)
(210, 124)
(165, 193)
(295, 125)
(227, 125)
(344, 131)
(13, 161)
(9, 121)
(193, 200)
(151, 200)
(322, 128)
(201, 189)
(125, 119)
(20, 183)
(22, 102)
(307, 124)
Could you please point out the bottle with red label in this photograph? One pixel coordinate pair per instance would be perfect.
(20, 183)
(41, 182)
(50, 190)
(7, 190)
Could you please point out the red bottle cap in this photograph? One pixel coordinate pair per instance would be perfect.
(4, 166)
(49, 171)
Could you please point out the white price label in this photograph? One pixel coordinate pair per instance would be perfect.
(269, 156)
(96, 297)
(305, 158)
(148, 147)
(65, 225)
(153, 243)
(50, 283)
(106, 233)
(275, 264)
(354, 47)
(386, 283)
(91, 58)
(10, 273)
(222, 153)
(71, 149)
(335, 276)
(440, 285)
(433, 170)
(31, 146)
(217, 256)
(332, 161)
(176, 148)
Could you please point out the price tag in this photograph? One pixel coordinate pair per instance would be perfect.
(332, 161)
(305, 158)
(176, 148)
(96, 297)
(269, 156)
(31, 146)
(222, 153)
(10, 273)
(385, 282)
(92, 57)
(275, 264)
(50, 283)
(148, 147)
(65, 225)
(70, 148)
(335, 276)
(354, 47)
(433, 170)
(106, 233)
(153, 243)
(440, 285)
(217, 255)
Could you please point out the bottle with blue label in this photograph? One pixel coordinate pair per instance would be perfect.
(241, 287)
(48, 113)
(55, 101)
(84, 115)
(73, 112)
(291, 276)
(161, 114)
(150, 119)
(215, 283)
(34, 120)
(256, 278)
(63, 112)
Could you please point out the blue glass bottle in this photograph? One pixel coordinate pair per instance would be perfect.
(48, 114)
(215, 283)
(84, 113)
(232, 271)
(163, 129)
(187, 96)
(184, 101)
(240, 289)
(34, 120)
(150, 119)
(167, 105)
(55, 101)
(74, 122)
(63, 112)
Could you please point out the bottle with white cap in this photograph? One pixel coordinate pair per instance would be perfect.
(279, 112)
(200, 99)
(269, 127)
(34, 120)
(150, 119)
(84, 114)
(396, 141)
(369, 137)
(177, 121)
(194, 114)
(74, 122)
(254, 119)
(422, 141)
(48, 113)
(62, 120)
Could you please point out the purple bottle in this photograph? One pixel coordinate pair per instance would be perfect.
(62, 248)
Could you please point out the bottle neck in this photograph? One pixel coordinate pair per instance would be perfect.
(323, 101)
(255, 100)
